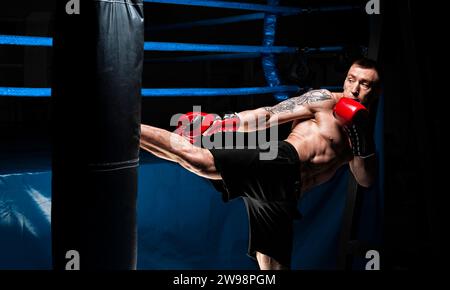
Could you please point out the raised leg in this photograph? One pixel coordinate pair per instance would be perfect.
(175, 148)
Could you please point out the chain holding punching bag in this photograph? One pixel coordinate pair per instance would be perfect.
(96, 95)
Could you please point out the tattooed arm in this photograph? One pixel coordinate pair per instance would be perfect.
(301, 107)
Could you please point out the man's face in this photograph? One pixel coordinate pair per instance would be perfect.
(360, 83)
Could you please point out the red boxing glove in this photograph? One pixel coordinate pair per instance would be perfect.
(194, 125)
(346, 109)
(229, 123)
(355, 118)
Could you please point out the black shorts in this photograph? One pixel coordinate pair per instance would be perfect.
(270, 189)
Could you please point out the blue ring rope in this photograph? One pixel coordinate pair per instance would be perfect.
(241, 18)
(324, 9)
(207, 22)
(332, 88)
(176, 92)
(46, 92)
(243, 55)
(207, 92)
(258, 7)
(224, 56)
(173, 46)
(25, 40)
(25, 92)
(158, 46)
(322, 49)
(232, 5)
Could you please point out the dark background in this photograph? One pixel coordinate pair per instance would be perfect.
(410, 55)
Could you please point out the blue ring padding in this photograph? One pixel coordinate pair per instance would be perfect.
(224, 56)
(173, 46)
(194, 92)
(26, 40)
(232, 5)
(207, 22)
(159, 46)
(268, 60)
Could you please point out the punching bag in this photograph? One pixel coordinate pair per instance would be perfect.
(96, 95)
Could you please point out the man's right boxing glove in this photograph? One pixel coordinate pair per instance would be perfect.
(228, 123)
(355, 118)
(194, 125)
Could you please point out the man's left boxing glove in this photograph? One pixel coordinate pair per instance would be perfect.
(355, 118)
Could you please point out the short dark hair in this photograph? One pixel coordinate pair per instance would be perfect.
(365, 62)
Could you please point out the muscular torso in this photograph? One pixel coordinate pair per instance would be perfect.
(322, 146)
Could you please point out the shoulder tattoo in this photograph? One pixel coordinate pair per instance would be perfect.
(307, 98)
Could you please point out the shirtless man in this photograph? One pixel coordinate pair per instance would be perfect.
(328, 131)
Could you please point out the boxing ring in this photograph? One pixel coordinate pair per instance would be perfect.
(195, 229)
